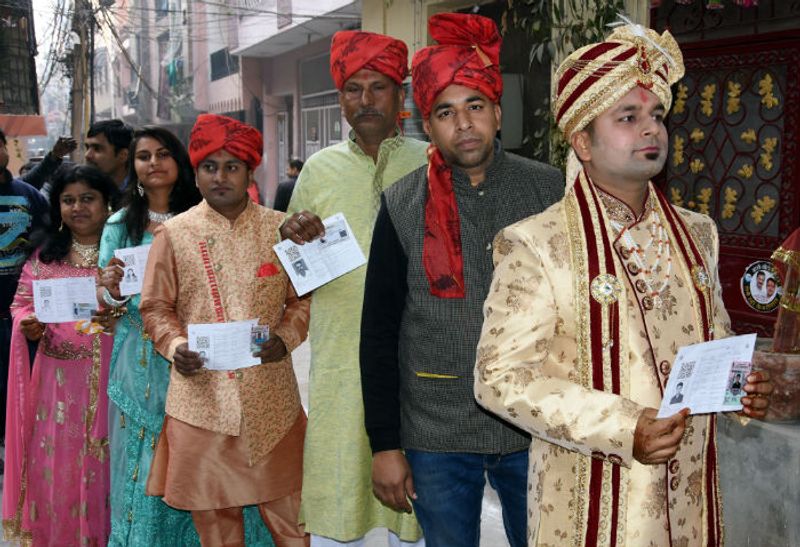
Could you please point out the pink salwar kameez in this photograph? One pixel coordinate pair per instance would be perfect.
(56, 484)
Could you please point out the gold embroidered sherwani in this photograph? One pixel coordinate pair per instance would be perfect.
(539, 366)
(202, 269)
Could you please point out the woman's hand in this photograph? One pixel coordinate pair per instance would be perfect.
(111, 275)
(32, 328)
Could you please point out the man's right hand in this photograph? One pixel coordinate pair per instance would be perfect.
(186, 362)
(392, 482)
(657, 440)
(302, 227)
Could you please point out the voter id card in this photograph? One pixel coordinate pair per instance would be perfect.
(258, 335)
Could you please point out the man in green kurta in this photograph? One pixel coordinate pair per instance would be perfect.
(338, 505)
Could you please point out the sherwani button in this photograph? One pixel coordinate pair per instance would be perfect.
(674, 466)
(633, 268)
(674, 483)
(664, 367)
(648, 303)
(625, 252)
(640, 285)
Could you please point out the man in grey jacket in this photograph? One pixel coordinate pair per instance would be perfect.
(429, 271)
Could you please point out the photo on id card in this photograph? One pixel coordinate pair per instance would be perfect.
(734, 390)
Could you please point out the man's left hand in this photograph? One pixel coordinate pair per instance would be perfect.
(758, 390)
(272, 350)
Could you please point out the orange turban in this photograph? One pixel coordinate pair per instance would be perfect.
(212, 132)
(468, 54)
(352, 50)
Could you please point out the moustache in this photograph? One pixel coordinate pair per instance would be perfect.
(368, 112)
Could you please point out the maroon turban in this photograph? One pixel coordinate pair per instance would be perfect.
(352, 50)
(212, 132)
(468, 54)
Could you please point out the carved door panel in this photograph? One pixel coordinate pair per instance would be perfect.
(735, 155)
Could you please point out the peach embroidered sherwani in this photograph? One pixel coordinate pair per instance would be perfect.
(579, 390)
(203, 269)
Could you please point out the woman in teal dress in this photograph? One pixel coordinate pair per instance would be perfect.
(161, 185)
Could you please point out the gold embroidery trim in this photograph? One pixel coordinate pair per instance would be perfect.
(67, 351)
(94, 447)
(580, 297)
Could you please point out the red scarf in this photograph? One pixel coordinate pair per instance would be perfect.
(441, 249)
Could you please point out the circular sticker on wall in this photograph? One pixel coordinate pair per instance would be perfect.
(761, 286)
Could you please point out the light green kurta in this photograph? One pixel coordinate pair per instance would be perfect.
(337, 488)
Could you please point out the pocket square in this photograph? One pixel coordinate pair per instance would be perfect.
(267, 269)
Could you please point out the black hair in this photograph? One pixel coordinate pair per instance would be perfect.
(183, 195)
(117, 133)
(295, 163)
(3, 137)
(55, 240)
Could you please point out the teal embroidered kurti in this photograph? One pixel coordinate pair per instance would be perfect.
(337, 486)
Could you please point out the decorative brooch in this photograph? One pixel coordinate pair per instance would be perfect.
(700, 278)
(606, 288)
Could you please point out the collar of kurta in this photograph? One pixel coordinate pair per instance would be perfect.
(619, 211)
(387, 145)
(219, 221)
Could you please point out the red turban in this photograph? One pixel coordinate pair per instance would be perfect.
(212, 132)
(468, 54)
(352, 50)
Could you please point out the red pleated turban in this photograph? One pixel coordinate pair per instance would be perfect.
(352, 50)
(212, 132)
(468, 54)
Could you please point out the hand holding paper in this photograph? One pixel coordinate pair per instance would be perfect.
(314, 264)
(758, 391)
(710, 377)
(186, 361)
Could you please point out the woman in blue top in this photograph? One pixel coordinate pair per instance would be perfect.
(161, 186)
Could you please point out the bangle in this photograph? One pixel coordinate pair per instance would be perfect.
(113, 302)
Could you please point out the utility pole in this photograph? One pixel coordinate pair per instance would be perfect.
(80, 103)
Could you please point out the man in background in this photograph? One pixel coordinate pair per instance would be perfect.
(107, 145)
(285, 188)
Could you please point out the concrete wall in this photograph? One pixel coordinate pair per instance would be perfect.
(759, 468)
(281, 78)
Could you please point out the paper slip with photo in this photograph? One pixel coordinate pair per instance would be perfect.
(135, 259)
(64, 300)
(224, 346)
(709, 377)
(311, 265)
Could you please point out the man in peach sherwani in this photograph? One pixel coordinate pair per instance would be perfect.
(590, 302)
(230, 438)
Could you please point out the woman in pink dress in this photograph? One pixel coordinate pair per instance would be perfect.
(56, 476)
